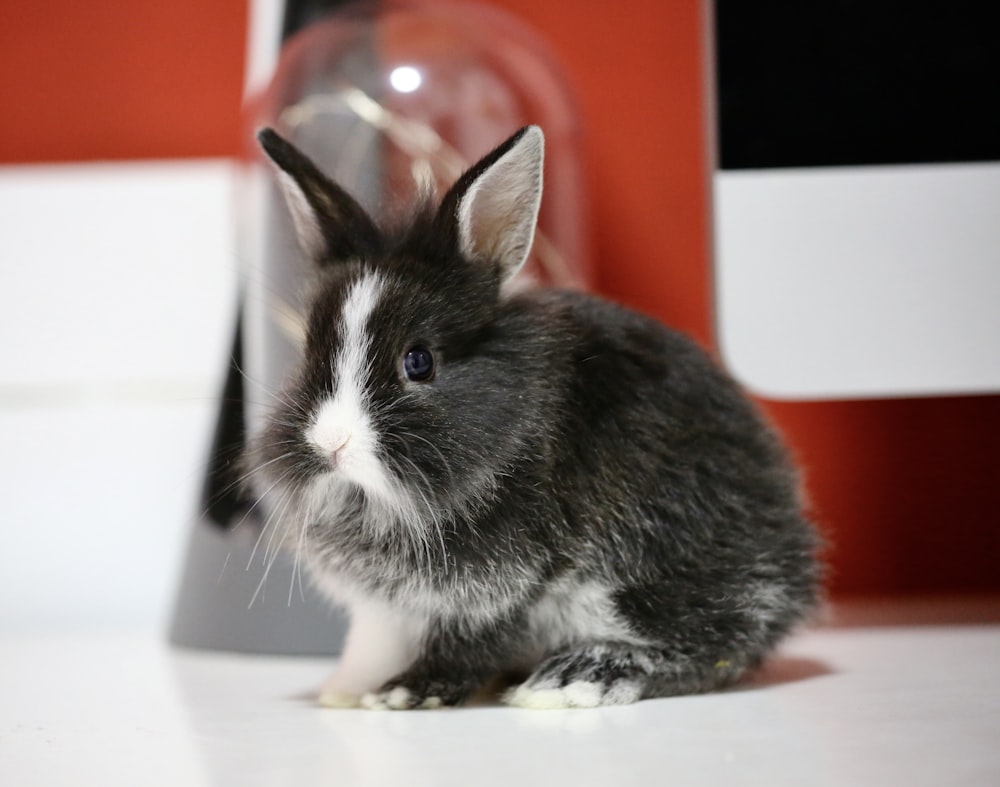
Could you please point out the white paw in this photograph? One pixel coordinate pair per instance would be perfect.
(579, 694)
(395, 699)
(341, 691)
(331, 698)
(399, 698)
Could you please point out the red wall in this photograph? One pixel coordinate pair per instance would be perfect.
(118, 79)
(907, 491)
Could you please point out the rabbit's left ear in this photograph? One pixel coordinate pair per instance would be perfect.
(330, 224)
(494, 206)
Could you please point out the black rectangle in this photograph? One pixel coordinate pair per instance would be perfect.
(809, 83)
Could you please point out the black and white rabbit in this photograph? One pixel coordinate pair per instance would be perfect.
(537, 482)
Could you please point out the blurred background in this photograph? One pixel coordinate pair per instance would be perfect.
(115, 322)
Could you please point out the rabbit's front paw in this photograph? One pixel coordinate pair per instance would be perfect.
(338, 699)
(411, 693)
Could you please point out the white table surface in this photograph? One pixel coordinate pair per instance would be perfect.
(851, 704)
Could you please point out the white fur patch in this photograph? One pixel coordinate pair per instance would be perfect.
(574, 611)
(581, 694)
(399, 698)
(396, 699)
(342, 429)
(332, 698)
(307, 226)
(374, 701)
(380, 644)
(578, 694)
(622, 692)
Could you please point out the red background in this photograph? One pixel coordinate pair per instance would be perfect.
(907, 491)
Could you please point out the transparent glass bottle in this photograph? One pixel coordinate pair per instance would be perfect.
(385, 97)
(388, 96)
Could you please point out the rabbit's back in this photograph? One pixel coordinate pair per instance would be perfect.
(678, 497)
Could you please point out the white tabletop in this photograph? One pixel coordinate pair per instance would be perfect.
(853, 704)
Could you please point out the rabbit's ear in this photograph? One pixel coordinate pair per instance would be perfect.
(330, 224)
(494, 206)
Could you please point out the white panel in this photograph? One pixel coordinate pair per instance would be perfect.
(115, 274)
(860, 282)
(117, 306)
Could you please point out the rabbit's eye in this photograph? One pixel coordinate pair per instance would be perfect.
(418, 365)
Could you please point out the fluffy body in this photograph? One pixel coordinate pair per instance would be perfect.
(579, 496)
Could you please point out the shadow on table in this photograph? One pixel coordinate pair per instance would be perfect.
(780, 670)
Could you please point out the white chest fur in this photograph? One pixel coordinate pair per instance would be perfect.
(575, 611)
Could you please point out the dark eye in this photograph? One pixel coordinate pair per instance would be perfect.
(418, 365)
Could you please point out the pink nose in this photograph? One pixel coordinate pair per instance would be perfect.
(335, 454)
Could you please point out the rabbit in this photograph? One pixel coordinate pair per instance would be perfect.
(531, 483)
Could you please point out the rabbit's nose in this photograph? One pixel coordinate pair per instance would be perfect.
(334, 453)
(329, 439)
(332, 447)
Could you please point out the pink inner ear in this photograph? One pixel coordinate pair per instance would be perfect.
(307, 227)
(490, 222)
(498, 213)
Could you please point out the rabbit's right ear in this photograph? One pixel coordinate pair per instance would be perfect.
(493, 208)
(330, 224)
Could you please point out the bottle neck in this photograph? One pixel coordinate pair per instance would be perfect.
(301, 13)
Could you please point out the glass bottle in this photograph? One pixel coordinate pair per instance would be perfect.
(386, 97)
